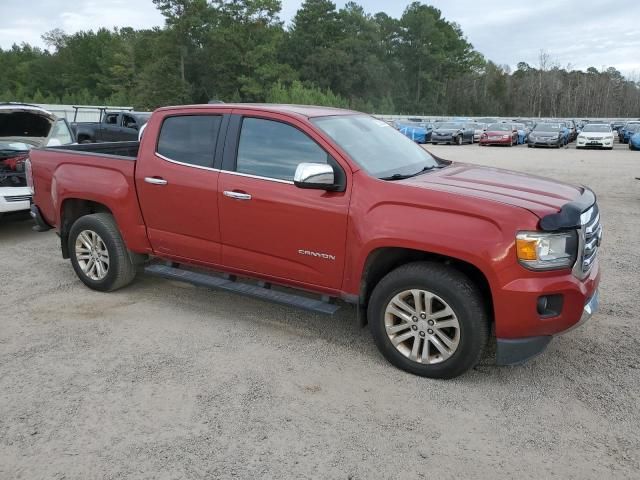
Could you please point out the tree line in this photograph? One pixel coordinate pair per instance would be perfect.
(240, 51)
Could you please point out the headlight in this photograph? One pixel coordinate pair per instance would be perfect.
(547, 251)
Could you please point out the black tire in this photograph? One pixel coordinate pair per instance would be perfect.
(121, 270)
(457, 291)
(459, 140)
(529, 145)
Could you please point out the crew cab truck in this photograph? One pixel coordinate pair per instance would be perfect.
(113, 126)
(434, 254)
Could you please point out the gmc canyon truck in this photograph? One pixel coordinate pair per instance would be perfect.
(335, 204)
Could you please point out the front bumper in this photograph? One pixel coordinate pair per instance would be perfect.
(544, 142)
(515, 351)
(497, 141)
(14, 199)
(441, 138)
(600, 143)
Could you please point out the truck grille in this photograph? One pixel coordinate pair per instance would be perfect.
(590, 238)
(17, 198)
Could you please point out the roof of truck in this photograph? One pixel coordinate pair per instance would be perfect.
(308, 111)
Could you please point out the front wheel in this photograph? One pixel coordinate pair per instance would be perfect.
(459, 140)
(429, 319)
(98, 253)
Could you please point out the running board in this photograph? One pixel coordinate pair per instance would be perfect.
(228, 283)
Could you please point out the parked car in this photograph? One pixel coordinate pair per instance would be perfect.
(616, 126)
(478, 130)
(452, 132)
(546, 134)
(634, 141)
(500, 134)
(23, 127)
(432, 253)
(113, 126)
(564, 128)
(573, 130)
(419, 133)
(523, 132)
(629, 130)
(596, 135)
(622, 131)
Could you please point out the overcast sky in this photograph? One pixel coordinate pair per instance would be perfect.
(582, 33)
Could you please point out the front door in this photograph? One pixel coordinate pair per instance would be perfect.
(268, 225)
(177, 188)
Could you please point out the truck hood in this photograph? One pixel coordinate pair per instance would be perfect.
(540, 196)
(25, 124)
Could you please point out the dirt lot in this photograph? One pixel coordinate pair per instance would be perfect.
(165, 381)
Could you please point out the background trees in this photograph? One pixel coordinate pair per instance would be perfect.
(239, 50)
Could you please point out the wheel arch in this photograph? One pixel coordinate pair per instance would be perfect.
(71, 210)
(383, 260)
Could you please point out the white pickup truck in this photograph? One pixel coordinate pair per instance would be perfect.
(23, 127)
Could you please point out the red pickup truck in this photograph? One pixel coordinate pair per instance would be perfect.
(309, 205)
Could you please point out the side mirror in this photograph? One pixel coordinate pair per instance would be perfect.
(319, 176)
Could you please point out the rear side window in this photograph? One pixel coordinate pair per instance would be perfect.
(190, 139)
(274, 149)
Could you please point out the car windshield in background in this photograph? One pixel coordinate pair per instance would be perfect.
(449, 126)
(381, 150)
(547, 127)
(634, 127)
(594, 127)
(499, 127)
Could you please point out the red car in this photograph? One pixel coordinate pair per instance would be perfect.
(433, 254)
(500, 134)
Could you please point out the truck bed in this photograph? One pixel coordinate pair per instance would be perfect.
(128, 150)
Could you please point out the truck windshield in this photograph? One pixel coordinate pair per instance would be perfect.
(379, 149)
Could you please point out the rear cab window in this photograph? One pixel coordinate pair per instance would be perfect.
(189, 139)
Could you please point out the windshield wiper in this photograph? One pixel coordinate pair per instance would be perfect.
(400, 176)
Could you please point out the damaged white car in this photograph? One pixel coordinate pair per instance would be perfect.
(23, 127)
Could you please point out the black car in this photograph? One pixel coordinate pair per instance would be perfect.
(546, 134)
(452, 132)
(114, 126)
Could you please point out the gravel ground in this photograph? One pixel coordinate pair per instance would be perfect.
(162, 380)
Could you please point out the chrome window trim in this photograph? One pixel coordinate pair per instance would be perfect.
(258, 177)
(186, 164)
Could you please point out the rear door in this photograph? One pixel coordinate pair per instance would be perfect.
(269, 226)
(108, 129)
(177, 181)
(128, 131)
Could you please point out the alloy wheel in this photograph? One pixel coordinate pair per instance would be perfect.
(422, 326)
(92, 255)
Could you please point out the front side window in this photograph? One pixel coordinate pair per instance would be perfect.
(112, 119)
(128, 122)
(190, 139)
(274, 150)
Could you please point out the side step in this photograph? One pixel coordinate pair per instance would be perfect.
(229, 284)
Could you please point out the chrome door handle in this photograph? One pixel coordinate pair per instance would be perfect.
(237, 195)
(155, 181)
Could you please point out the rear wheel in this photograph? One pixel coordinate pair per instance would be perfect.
(98, 253)
(429, 320)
